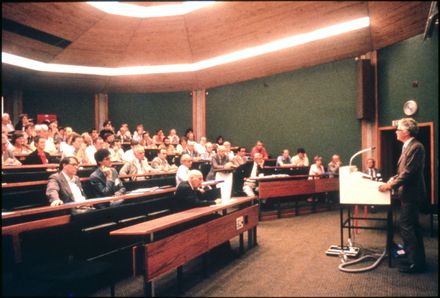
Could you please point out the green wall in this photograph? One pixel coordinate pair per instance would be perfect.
(314, 108)
(153, 110)
(400, 65)
(72, 109)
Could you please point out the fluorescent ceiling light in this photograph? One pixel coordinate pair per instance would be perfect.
(138, 11)
(204, 64)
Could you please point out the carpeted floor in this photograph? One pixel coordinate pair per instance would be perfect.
(290, 261)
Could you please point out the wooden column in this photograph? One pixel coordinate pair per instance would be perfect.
(369, 128)
(101, 110)
(199, 113)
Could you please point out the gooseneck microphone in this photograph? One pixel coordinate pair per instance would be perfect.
(360, 152)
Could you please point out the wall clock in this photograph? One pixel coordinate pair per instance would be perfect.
(410, 107)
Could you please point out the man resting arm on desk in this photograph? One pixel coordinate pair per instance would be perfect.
(189, 193)
(65, 186)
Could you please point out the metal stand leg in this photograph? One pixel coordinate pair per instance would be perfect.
(390, 234)
(241, 243)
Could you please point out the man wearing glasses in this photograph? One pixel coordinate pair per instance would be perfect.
(410, 185)
(65, 186)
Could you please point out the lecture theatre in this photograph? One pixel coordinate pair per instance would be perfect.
(209, 148)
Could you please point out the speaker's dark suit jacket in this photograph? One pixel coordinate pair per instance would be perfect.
(410, 180)
(58, 188)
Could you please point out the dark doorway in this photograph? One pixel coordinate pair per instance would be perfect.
(390, 149)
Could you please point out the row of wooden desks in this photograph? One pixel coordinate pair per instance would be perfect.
(157, 256)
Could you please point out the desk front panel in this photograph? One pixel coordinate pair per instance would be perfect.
(285, 188)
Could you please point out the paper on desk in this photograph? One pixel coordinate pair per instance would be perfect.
(143, 190)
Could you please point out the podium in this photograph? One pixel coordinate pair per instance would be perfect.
(357, 188)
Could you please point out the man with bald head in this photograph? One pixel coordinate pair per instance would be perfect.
(189, 193)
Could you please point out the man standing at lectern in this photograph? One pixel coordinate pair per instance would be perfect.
(410, 185)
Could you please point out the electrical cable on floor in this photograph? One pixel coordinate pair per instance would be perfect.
(345, 263)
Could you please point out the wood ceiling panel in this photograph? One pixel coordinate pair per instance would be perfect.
(26, 47)
(152, 83)
(89, 57)
(237, 25)
(392, 22)
(67, 20)
(158, 41)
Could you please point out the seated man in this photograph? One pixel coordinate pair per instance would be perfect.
(139, 165)
(104, 181)
(8, 157)
(77, 149)
(334, 164)
(372, 170)
(240, 158)
(65, 186)
(258, 148)
(221, 169)
(300, 159)
(189, 193)
(284, 159)
(183, 170)
(160, 162)
(250, 185)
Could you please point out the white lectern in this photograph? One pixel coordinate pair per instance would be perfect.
(357, 188)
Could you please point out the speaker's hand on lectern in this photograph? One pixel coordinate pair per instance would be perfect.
(384, 187)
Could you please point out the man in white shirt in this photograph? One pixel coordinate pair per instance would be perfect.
(300, 159)
(250, 185)
(65, 186)
(183, 170)
(98, 143)
(138, 165)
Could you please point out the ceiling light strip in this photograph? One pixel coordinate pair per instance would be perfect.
(138, 11)
(204, 64)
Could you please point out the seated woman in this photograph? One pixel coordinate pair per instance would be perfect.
(158, 137)
(19, 143)
(316, 169)
(116, 150)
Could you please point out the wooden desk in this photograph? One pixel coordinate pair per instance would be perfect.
(156, 257)
(285, 186)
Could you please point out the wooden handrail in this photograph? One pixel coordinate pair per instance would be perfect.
(90, 202)
(43, 182)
